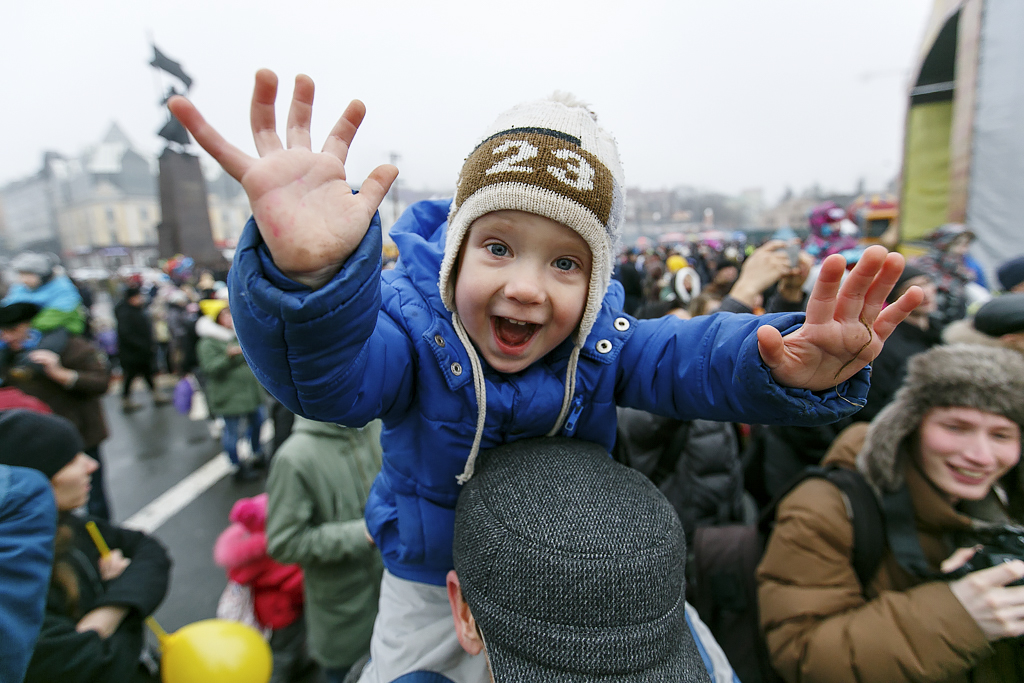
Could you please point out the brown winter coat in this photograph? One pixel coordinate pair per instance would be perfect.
(817, 623)
(81, 403)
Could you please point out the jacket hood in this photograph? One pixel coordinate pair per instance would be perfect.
(318, 428)
(207, 329)
(420, 236)
(960, 375)
(963, 332)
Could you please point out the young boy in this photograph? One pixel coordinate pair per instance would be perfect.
(499, 323)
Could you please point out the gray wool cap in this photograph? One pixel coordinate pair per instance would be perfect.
(574, 568)
(986, 378)
(32, 262)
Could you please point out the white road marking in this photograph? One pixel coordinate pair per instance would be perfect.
(173, 500)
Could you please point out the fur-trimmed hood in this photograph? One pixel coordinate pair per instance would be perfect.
(206, 328)
(960, 375)
(963, 332)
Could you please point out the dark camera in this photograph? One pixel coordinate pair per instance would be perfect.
(22, 369)
(999, 544)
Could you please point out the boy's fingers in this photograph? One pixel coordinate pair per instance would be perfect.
(850, 304)
(377, 184)
(301, 113)
(261, 113)
(887, 276)
(821, 305)
(233, 160)
(897, 312)
(770, 346)
(340, 138)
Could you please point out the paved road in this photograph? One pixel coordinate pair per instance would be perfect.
(150, 452)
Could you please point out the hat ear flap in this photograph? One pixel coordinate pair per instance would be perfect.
(881, 457)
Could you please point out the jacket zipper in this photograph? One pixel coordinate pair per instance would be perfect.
(574, 416)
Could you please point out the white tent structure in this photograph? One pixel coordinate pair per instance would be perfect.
(964, 146)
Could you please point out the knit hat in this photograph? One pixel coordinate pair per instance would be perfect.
(1011, 273)
(1002, 315)
(31, 262)
(17, 313)
(211, 308)
(908, 274)
(986, 378)
(576, 577)
(42, 442)
(548, 158)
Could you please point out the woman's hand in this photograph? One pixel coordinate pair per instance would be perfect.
(102, 620)
(303, 205)
(998, 609)
(845, 325)
(113, 565)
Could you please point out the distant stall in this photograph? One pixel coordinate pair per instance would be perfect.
(964, 145)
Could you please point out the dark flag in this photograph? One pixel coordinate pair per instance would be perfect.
(162, 61)
(174, 132)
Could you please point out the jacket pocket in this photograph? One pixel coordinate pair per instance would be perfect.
(426, 532)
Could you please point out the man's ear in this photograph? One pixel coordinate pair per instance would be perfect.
(465, 625)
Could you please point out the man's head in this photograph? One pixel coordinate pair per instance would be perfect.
(16, 323)
(1002, 318)
(542, 167)
(570, 567)
(133, 295)
(1011, 275)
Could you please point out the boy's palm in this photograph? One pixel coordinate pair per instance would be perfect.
(845, 326)
(301, 200)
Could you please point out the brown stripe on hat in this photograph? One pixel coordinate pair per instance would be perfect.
(547, 159)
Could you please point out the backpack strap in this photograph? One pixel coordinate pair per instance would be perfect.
(868, 522)
(866, 516)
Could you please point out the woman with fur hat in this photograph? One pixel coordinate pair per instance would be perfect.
(93, 624)
(232, 391)
(944, 459)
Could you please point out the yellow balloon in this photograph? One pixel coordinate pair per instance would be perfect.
(215, 650)
(675, 262)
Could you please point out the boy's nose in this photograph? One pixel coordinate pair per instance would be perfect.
(523, 285)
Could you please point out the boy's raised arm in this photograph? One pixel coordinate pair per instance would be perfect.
(845, 325)
(303, 205)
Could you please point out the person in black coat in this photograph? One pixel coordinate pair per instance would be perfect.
(93, 624)
(135, 346)
(918, 333)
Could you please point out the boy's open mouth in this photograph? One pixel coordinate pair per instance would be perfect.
(512, 335)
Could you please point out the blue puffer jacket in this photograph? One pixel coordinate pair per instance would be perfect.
(370, 345)
(28, 521)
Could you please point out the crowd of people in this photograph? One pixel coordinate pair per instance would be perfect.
(493, 457)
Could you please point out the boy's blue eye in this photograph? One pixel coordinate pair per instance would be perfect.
(497, 249)
(565, 264)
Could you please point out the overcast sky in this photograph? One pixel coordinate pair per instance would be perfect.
(720, 94)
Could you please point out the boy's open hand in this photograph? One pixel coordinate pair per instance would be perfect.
(844, 328)
(303, 205)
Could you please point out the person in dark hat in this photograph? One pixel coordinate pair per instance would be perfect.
(919, 332)
(576, 577)
(1011, 275)
(70, 377)
(92, 628)
(1003, 319)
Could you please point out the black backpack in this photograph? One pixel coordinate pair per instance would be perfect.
(723, 560)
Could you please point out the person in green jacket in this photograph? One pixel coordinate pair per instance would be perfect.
(318, 484)
(232, 391)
